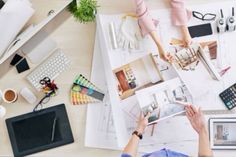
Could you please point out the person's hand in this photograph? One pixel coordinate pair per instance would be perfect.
(142, 123)
(196, 118)
(187, 39)
(167, 57)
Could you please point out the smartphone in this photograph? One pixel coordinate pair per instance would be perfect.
(200, 30)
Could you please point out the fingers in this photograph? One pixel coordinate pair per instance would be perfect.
(189, 110)
(148, 115)
(194, 109)
(169, 58)
(188, 116)
(187, 43)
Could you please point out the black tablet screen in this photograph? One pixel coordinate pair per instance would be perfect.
(36, 131)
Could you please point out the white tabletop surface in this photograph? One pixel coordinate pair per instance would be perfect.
(77, 40)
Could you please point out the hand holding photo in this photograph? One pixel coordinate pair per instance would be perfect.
(164, 100)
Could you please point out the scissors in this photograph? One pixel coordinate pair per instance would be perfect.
(45, 81)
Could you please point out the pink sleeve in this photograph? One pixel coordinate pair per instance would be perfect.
(179, 14)
(145, 21)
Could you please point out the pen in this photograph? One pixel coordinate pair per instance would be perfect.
(53, 129)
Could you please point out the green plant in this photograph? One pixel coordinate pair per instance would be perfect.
(84, 12)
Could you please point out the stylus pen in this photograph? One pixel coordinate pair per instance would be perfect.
(181, 102)
(53, 128)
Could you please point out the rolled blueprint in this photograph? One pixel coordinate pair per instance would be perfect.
(13, 17)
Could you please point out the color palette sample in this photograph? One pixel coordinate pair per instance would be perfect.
(84, 92)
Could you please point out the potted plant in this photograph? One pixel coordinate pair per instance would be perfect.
(85, 11)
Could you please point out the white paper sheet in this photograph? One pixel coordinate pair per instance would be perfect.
(100, 129)
(13, 16)
(114, 58)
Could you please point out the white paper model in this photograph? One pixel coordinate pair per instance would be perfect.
(222, 133)
(160, 100)
(193, 64)
(136, 75)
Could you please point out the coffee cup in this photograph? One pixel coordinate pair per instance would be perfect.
(9, 96)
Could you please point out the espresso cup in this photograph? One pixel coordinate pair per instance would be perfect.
(9, 96)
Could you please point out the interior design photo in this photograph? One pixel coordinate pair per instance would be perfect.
(163, 100)
(224, 134)
(136, 75)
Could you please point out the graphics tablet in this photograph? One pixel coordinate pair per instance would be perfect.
(39, 131)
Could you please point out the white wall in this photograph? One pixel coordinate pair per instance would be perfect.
(140, 73)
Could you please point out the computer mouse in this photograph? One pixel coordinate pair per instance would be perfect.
(28, 95)
(2, 111)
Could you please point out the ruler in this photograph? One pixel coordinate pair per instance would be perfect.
(212, 112)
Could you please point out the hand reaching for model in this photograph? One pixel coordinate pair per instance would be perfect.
(196, 118)
(142, 123)
(167, 57)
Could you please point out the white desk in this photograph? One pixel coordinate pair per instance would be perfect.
(77, 40)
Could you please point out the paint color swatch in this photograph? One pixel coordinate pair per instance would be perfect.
(84, 92)
(88, 91)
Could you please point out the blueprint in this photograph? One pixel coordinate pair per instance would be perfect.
(100, 120)
(113, 121)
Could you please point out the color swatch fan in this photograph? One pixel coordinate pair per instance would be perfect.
(84, 92)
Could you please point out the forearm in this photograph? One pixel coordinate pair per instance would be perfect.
(132, 146)
(204, 144)
(184, 30)
(157, 41)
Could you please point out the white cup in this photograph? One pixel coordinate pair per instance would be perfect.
(0, 96)
(2, 111)
(9, 96)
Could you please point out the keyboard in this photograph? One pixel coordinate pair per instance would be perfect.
(52, 67)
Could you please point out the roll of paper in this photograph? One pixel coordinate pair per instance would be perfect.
(13, 17)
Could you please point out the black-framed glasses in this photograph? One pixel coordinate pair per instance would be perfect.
(44, 100)
(204, 17)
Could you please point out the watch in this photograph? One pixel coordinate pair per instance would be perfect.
(140, 136)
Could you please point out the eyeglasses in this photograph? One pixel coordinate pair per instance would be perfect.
(44, 100)
(205, 17)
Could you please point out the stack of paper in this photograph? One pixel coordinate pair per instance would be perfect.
(13, 17)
